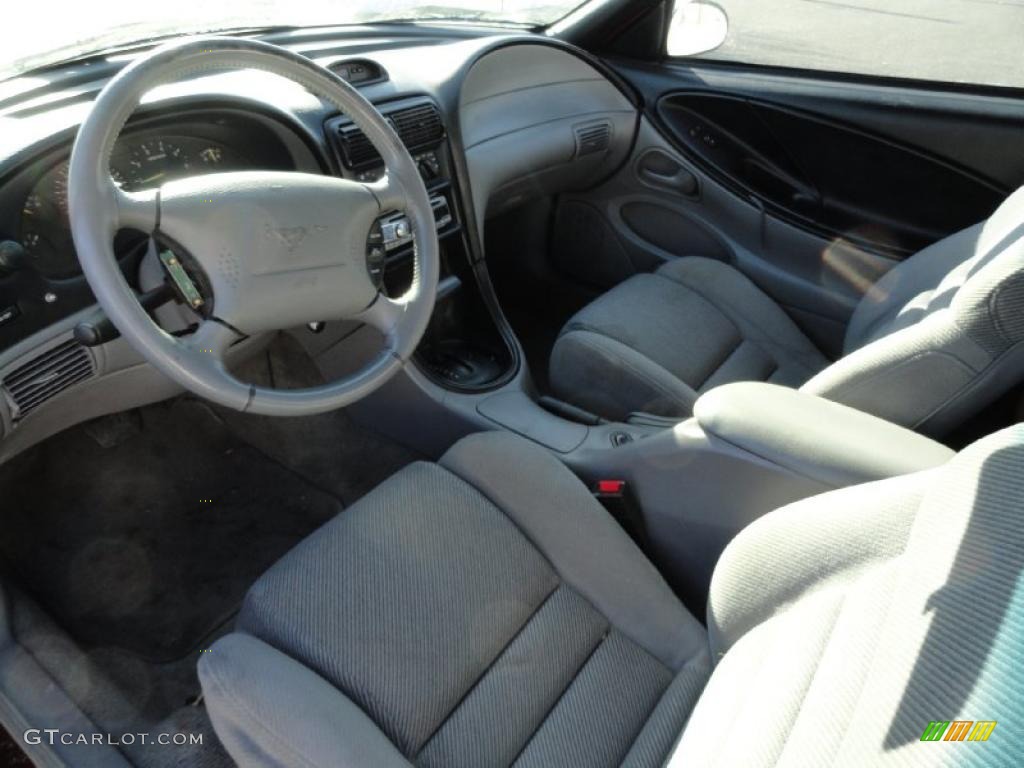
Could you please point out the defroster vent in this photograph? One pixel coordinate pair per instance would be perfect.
(35, 382)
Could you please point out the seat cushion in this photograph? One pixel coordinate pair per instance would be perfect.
(655, 342)
(456, 601)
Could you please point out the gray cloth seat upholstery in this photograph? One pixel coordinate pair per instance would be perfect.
(657, 341)
(933, 341)
(463, 614)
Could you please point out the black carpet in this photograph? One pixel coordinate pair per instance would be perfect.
(129, 542)
(11, 754)
(149, 545)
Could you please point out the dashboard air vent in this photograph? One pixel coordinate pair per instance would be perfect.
(356, 149)
(35, 382)
(592, 137)
(419, 126)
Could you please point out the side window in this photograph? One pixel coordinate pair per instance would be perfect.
(954, 41)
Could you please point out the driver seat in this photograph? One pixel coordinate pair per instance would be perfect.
(487, 611)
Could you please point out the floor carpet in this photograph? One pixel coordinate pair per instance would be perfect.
(129, 542)
(147, 545)
(11, 754)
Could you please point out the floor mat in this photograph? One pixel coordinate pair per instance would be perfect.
(121, 693)
(329, 450)
(148, 545)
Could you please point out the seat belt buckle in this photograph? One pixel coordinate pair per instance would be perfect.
(614, 489)
(617, 498)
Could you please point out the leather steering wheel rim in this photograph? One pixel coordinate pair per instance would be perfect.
(298, 252)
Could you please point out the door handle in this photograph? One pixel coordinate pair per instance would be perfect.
(657, 169)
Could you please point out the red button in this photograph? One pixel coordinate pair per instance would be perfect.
(610, 486)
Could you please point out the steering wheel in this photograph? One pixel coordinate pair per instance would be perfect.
(272, 249)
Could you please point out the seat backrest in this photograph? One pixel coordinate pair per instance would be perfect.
(942, 334)
(846, 625)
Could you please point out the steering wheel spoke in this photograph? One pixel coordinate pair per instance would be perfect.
(211, 340)
(390, 193)
(136, 210)
(385, 314)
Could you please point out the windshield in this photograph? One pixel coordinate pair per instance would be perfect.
(48, 31)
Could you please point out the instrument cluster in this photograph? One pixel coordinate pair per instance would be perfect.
(137, 163)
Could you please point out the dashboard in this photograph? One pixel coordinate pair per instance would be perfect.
(490, 119)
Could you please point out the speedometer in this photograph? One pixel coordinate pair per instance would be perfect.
(154, 162)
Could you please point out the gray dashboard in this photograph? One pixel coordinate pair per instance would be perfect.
(538, 120)
(514, 106)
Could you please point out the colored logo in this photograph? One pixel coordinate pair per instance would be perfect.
(958, 730)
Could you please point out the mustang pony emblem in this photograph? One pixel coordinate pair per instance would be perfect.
(290, 236)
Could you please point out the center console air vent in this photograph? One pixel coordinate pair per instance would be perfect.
(418, 125)
(35, 382)
(592, 137)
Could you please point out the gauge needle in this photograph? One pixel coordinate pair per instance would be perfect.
(151, 179)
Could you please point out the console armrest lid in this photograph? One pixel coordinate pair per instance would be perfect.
(812, 436)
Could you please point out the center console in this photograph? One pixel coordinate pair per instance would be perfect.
(750, 448)
(463, 349)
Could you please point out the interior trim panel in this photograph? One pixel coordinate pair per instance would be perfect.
(810, 171)
(537, 120)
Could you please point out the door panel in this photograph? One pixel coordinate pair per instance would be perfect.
(630, 224)
(813, 187)
(979, 132)
(828, 177)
